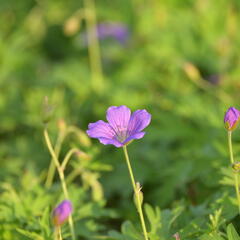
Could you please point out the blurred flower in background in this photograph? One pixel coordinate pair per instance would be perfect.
(110, 30)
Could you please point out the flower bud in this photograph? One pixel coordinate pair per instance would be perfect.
(62, 212)
(176, 236)
(236, 166)
(138, 195)
(192, 71)
(62, 126)
(231, 118)
(47, 111)
(72, 25)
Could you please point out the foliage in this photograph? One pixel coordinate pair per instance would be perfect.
(180, 62)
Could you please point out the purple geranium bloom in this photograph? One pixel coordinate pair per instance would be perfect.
(107, 30)
(117, 31)
(231, 118)
(121, 128)
(62, 212)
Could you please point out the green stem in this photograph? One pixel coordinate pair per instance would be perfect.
(139, 205)
(61, 176)
(59, 233)
(93, 45)
(55, 233)
(52, 167)
(235, 173)
(68, 156)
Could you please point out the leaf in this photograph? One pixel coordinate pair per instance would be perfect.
(129, 230)
(31, 235)
(213, 236)
(232, 233)
(153, 217)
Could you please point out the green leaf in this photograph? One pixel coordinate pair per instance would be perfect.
(213, 236)
(31, 235)
(154, 217)
(232, 233)
(129, 230)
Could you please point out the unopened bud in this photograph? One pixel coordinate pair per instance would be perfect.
(82, 155)
(72, 25)
(62, 125)
(236, 166)
(138, 195)
(231, 118)
(176, 236)
(62, 212)
(47, 110)
(191, 71)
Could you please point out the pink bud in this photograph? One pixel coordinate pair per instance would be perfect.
(62, 212)
(231, 118)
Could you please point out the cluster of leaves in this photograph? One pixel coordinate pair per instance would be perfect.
(180, 63)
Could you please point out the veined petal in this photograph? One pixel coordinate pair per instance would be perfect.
(121, 127)
(114, 142)
(100, 129)
(138, 121)
(118, 118)
(134, 136)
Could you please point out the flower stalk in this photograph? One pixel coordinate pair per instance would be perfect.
(93, 45)
(234, 172)
(137, 193)
(52, 167)
(58, 233)
(61, 176)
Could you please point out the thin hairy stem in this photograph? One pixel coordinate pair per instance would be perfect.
(68, 156)
(52, 167)
(59, 233)
(61, 176)
(138, 200)
(235, 173)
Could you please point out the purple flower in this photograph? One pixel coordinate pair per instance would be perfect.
(62, 212)
(121, 128)
(117, 31)
(231, 118)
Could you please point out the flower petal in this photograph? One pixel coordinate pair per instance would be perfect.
(100, 129)
(134, 136)
(118, 118)
(114, 142)
(138, 121)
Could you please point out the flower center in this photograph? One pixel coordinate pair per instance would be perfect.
(122, 135)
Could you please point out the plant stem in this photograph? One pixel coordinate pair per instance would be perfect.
(93, 45)
(59, 233)
(61, 176)
(235, 173)
(55, 233)
(52, 167)
(139, 205)
(68, 156)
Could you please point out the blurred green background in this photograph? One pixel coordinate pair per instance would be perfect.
(180, 61)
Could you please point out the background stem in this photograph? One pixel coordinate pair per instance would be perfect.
(93, 45)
